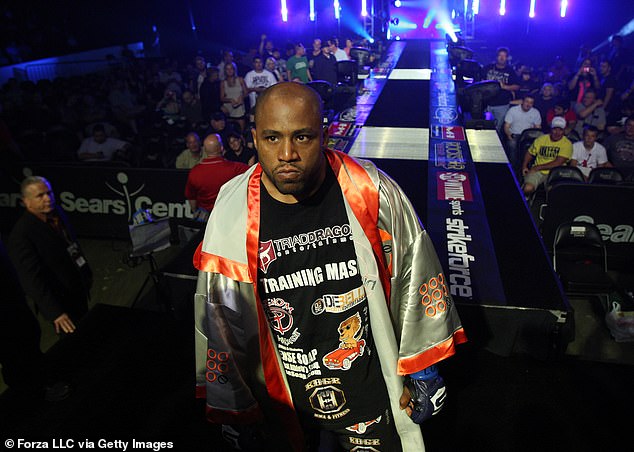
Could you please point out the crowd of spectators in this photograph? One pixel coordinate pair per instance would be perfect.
(141, 111)
(595, 92)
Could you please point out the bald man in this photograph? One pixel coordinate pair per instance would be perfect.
(206, 178)
(322, 309)
(191, 156)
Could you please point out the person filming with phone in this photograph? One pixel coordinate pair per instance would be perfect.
(585, 78)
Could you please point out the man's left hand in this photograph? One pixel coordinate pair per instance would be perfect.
(423, 399)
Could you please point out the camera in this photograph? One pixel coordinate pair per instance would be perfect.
(586, 69)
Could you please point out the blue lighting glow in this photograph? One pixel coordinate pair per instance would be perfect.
(475, 7)
(502, 7)
(397, 3)
(337, 8)
(284, 11)
(564, 7)
(312, 11)
(531, 10)
(364, 8)
(431, 13)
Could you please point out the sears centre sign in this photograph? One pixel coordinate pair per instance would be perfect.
(100, 201)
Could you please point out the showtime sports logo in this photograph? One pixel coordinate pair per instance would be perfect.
(453, 186)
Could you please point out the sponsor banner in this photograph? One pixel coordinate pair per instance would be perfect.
(448, 133)
(342, 129)
(100, 201)
(456, 218)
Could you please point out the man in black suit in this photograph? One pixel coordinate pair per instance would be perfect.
(48, 259)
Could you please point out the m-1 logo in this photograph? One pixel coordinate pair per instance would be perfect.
(453, 186)
(455, 133)
(433, 295)
(341, 129)
(217, 366)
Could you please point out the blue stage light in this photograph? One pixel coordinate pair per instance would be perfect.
(531, 10)
(397, 3)
(364, 8)
(284, 11)
(564, 7)
(502, 7)
(337, 8)
(312, 10)
(475, 7)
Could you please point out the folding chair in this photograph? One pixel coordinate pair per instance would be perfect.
(580, 260)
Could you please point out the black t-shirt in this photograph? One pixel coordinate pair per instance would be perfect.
(244, 156)
(314, 297)
(505, 75)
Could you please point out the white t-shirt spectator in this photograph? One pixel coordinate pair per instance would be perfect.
(262, 79)
(341, 55)
(107, 148)
(521, 120)
(588, 159)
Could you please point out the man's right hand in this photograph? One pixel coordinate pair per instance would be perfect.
(64, 323)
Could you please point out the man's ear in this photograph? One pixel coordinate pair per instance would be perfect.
(255, 137)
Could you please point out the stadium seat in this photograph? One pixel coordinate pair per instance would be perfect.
(605, 176)
(564, 175)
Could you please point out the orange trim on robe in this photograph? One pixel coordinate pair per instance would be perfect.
(408, 366)
(211, 263)
(363, 197)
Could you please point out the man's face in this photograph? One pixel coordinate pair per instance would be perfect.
(604, 67)
(559, 111)
(257, 64)
(188, 97)
(234, 143)
(289, 138)
(527, 103)
(317, 44)
(39, 198)
(99, 136)
(589, 138)
(270, 64)
(200, 64)
(556, 134)
(218, 124)
(300, 50)
(193, 144)
(588, 98)
(326, 50)
(501, 58)
(548, 91)
(228, 57)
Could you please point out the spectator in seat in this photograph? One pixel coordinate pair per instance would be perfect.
(191, 156)
(280, 63)
(233, 93)
(548, 151)
(518, 119)
(297, 65)
(227, 58)
(562, 108)
(206, 178)
(502, 72)
(339, 54)
(587, 154)
(608, 85)
(169, 106)
(265, 49)
(620, 146)
(585, 78)
(349, 45)
(528, 85)
(191, 108)
(210, 93)
(325, 66)
(124, 105)
(314, 53)
(238, 151)
(102, 148)
(271, 65)
(257, 80)
(544, 101)
(590, 112)
(218, 125)
(201, 74)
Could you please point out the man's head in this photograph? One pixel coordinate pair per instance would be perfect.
(200, 63)
(590, 134)
(316, 44)
(299, 49)
(270, 64)
(236, 141)
(501, 56)
(605, 67)
(557, 126)
(213, 145)
(588, 98)
(188, 97)
(213, 74)
(548, 90)
(616, 41)
(334, 44)
(227, 56)
(37, 195)
(561, 107)
(290, 138)
(326, 50)
(99, 133)
(257, 64)
(528, 102)
(218, 121)
(192, 140)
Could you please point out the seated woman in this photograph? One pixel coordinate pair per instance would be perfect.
(233, 92)
(237, 150)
